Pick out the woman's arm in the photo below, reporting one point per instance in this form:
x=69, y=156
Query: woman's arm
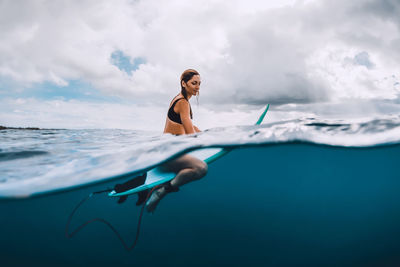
x=183, y=109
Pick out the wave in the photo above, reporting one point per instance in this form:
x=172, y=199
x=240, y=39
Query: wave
x=20, y=155
x=45, y=160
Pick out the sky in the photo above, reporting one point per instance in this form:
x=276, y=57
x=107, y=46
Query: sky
x=116, y=64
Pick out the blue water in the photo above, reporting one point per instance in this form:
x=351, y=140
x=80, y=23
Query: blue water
x=298, y=193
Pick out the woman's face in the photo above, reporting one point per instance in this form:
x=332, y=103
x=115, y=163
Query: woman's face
x=193, y=85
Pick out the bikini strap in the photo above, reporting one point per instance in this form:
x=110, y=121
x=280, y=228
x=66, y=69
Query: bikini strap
x=176, y=100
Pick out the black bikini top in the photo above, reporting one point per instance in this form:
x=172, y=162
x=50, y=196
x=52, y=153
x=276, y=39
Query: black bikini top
x=173, y=116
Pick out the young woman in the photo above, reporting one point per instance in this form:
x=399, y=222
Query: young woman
x=187, y=168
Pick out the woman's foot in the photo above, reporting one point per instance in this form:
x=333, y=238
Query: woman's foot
x=155, y=198
x=157, y=195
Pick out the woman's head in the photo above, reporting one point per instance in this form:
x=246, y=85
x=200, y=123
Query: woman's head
x=190, y=82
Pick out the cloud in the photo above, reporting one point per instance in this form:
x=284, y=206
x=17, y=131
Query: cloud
x=363, y=59
x=248, y=52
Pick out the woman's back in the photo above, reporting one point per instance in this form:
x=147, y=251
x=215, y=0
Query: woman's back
x=173, y=125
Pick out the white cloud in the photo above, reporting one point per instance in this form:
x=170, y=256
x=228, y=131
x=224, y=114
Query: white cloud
x=347, y=80
x=248, y=52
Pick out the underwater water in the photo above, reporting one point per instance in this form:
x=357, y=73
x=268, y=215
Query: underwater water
x=303, y=193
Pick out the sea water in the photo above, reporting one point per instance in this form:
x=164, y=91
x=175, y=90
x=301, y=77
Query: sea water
x=303, y=192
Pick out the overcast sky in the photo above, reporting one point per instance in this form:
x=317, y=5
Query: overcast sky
x=116, y=64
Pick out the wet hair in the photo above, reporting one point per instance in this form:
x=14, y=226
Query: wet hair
x=186, y=76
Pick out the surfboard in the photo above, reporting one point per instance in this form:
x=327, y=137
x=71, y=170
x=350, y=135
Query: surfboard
x=157, y=176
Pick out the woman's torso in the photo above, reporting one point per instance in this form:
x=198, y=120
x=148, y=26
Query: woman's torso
x=173, y=127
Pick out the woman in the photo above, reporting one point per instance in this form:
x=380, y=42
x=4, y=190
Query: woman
x=187, y=168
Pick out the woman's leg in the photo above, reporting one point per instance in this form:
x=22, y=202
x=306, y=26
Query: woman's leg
x=187, y=169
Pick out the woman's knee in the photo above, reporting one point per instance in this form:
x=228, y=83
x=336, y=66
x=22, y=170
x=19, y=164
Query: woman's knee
x=201, y=169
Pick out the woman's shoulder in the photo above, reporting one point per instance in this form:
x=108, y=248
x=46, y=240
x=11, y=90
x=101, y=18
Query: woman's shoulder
x=182, y=102
x=177, y=100
x=182, y=105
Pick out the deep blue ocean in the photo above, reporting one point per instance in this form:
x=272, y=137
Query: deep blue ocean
x=293, y=193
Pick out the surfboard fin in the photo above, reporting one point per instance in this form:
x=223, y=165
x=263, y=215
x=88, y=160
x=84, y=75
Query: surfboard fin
x=135, y=182
x=122, y=199
x=142, y=196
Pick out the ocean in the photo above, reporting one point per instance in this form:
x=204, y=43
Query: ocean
x=303, y=192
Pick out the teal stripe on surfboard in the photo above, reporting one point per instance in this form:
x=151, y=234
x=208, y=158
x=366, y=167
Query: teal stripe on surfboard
x=156, y=176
